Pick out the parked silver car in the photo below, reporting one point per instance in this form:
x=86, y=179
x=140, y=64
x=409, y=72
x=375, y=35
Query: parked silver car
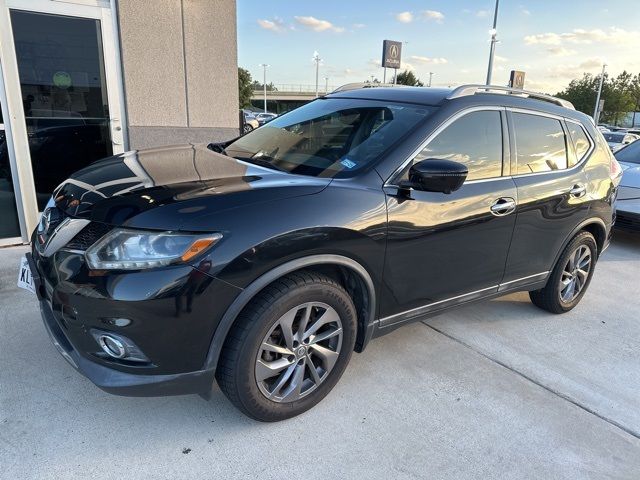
x=628, y=202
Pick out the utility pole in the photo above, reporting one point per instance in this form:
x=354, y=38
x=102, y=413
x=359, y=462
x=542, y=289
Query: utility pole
x=430, y=77
x=596, y=110
x=317, y=59
x=326, y=84
x=492, y=50
x=264, y=83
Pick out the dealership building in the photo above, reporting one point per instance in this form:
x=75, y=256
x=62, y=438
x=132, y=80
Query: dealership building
x=85, y=79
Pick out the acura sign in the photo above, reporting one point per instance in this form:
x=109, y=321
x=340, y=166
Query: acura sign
x=391, y=54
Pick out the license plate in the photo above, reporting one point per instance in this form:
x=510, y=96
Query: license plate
x=25, y=279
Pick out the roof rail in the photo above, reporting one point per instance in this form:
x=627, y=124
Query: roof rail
x=465, y=90
x=359, y=85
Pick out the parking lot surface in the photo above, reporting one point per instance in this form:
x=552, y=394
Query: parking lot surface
x=497, y=389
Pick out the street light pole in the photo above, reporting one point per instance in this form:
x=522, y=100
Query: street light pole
x=317, y=59
x=492, y=50
x=596, y=110
x=264, y=83
x=430, y=77
x=326, y=84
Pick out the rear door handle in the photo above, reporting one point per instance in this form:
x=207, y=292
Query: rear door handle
x=577, y=190
x=503, y=206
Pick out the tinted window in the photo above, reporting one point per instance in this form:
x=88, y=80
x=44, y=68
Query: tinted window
x=474, y=140
x=329, y=137
x=581, y=142
x=540, y=144
x=629, y=154
x=614, y=137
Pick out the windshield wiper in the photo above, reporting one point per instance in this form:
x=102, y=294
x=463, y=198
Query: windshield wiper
x=263, y=161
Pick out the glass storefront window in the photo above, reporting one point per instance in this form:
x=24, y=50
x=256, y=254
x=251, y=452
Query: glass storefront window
x=64, y=94
x=9, y=226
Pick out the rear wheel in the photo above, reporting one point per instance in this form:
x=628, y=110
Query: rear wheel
x=289, y=347
x=570, y=277
x=246, y=128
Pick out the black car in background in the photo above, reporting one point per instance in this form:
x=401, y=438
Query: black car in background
x=264, y=262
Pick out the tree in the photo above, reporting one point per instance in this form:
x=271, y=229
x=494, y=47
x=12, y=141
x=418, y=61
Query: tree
x=245, y=89
x=256, y=85
x=620, y=95
x=408, y=78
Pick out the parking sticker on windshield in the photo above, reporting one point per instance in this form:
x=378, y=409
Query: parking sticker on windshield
x=348, y=163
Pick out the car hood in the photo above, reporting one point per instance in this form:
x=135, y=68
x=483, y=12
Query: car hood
x=165, y=188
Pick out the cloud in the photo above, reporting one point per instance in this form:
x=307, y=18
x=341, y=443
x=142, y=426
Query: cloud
x=404, y=17
x=428, y=60
x=573, y=71
x=358, y=25
x=374, y=63
x=558, y=51
x=524, y=10
x=614, y=35
x=277, y=25
x=318, y=25
x=482, y=13
x=434, y=15
x=499, y=59
x=407, y=66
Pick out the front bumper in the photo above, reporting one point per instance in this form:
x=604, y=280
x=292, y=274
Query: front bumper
x=121, y=383
x=73, y=304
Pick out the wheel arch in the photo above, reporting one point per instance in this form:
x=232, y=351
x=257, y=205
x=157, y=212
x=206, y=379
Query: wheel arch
x=345, y=270
x=593, y=225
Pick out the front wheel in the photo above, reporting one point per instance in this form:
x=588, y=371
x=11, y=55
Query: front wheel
x=246, y=128
x=289, y=347
x=570, y=277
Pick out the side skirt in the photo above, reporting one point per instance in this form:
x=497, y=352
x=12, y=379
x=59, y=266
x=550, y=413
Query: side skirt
x=390, y=323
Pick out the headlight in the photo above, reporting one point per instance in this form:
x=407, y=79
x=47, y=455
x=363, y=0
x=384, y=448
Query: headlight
x=124, y=249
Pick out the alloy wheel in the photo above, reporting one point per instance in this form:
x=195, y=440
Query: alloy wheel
x=575, y=274
x=299, y=352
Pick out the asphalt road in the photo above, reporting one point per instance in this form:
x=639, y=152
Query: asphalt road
x=498, y=389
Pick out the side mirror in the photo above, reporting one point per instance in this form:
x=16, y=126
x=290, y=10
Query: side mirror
x=437, y=175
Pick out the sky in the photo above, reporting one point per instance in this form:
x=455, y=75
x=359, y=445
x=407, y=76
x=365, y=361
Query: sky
x=553, y=41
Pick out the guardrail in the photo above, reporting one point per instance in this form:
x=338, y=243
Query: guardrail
x=296, y=88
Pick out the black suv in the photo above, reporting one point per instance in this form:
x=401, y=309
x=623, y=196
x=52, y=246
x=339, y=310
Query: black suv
x=264, y=262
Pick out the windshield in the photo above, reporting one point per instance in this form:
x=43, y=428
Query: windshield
x=629, y=154
x=614, y=137
x=329, y=137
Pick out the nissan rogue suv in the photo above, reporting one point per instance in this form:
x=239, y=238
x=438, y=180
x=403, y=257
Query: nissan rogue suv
x=265, y=261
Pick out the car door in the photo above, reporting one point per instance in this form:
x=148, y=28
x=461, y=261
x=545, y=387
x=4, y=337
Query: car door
x=553, y=196
x=448, y=248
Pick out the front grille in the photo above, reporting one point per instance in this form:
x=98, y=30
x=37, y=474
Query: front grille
x=627, y=222
x=88, y=236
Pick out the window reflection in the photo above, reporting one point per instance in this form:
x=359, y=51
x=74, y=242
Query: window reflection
x=540, y=143
x=474, y=140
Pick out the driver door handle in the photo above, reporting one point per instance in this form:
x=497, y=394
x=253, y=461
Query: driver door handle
x=503, y=206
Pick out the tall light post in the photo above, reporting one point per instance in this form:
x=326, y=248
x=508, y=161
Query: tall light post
x=492, y=50
x=326, y=84
x=264, y=83
x=316, y=58
x=596, y=110
x=430, y=77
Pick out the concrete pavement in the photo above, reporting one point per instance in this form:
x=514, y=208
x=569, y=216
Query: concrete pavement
x=497, y=390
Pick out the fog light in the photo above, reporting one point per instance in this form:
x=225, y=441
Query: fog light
x=112, y=346
x=118, y=346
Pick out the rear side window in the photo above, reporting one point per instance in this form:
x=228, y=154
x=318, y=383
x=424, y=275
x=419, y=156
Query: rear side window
x=581, y=142
x=474, y=140
x=540, y=144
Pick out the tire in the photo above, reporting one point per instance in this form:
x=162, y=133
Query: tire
x=556, y=297
x=257, y=343
x=246, y=128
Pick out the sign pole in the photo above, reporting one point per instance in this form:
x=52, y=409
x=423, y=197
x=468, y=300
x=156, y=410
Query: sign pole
x=384, y=75
x=395, y=76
